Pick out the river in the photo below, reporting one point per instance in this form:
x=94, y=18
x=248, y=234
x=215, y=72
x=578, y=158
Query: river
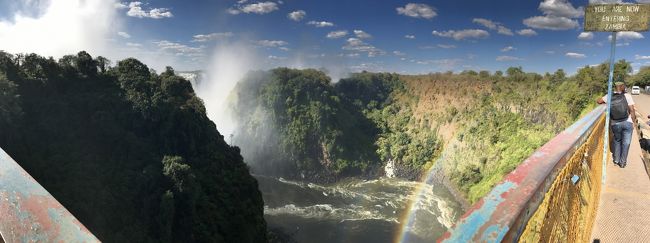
x=360, y=211
x=372, y=211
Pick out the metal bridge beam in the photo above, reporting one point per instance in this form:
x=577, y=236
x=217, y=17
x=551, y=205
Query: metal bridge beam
x=28, y=213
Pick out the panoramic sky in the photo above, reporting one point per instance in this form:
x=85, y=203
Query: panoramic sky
x=338, y=35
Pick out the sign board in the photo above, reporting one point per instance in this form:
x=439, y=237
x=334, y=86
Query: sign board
x=617, y=17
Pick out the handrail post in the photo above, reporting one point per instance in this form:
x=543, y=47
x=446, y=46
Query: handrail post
x=609, y=106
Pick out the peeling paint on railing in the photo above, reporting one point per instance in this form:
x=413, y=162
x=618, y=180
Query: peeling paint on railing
x=505, y=211
x=28, y=213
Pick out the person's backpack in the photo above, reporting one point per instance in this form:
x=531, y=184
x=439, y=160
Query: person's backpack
x=619, y=110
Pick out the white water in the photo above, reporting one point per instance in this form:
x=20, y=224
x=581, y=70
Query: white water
x=355, y=210
x=351, y=211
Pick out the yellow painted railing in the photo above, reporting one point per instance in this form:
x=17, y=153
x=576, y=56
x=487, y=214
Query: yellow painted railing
x=569, y=207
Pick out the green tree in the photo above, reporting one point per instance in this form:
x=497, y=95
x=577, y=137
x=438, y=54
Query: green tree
x=102, y=63
x=642, y=78
x=498, y=73
x=10, y=108
x=484, y=74
x=85, y=64
x=321, y=134
x=558, y=77
x=622, y=70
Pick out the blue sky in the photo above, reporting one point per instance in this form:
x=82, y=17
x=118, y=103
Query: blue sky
x=395, y=36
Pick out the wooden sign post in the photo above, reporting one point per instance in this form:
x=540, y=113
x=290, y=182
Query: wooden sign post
x=615, y=18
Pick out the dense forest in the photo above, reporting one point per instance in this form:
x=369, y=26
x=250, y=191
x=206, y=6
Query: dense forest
x=294, y=116
x=479, y=125
x=129, y=152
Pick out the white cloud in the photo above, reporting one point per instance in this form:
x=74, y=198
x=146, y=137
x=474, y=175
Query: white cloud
x=608, y=1
x=159, y=13
x=627, y=35
x=575, y=55
x=560, y=8
x=180, y=49
x=493, y=26
x=276, y=58
x=639, y=57
x=371, y=67
x=409, y=36
x=61, y=27
x=441, y=64
x=135, y=10
x=504, y=31
x=443, y=46
x=271, y=43
x=297, y=15
x=550, y=52
x=417, y=10
x=211, y=36
x=527, y=32
x=485, y=22
x=133, y=44
x=124, y=34
x=586, y=36
x=558, y=15
x=359, y=46
x=508, y=48
x=320, y=24
x=260, y=8
x=337, y=34
x=361, y=34
x=463, y=34
x=256, y=8
x=399, y=53
x=508, y=58
x=551, y=23
x=120, y=5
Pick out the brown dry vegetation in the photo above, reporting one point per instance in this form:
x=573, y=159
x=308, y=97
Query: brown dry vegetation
x=439, y=98
x=479, y=125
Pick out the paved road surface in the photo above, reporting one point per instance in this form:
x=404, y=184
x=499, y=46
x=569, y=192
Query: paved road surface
x=624, y=210
x=642, y=104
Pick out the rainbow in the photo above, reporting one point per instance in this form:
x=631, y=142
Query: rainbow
x=408, y=217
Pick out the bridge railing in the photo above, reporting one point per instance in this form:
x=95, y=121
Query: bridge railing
x=552, y=196
x=643, y=130
x=28, y=213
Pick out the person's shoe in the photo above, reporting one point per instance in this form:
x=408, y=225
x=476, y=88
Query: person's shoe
x=616, y=163
x=622, y=165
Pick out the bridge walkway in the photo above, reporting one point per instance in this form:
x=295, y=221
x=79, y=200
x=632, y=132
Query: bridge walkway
x=624, y=209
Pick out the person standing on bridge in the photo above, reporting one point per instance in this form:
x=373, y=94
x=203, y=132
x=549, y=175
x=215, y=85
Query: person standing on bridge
x=623, y=117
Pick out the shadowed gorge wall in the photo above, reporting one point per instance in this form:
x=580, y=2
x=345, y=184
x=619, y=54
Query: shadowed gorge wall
x=128, y=151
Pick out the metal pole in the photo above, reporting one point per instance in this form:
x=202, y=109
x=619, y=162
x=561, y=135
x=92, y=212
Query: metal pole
x=609, y=101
